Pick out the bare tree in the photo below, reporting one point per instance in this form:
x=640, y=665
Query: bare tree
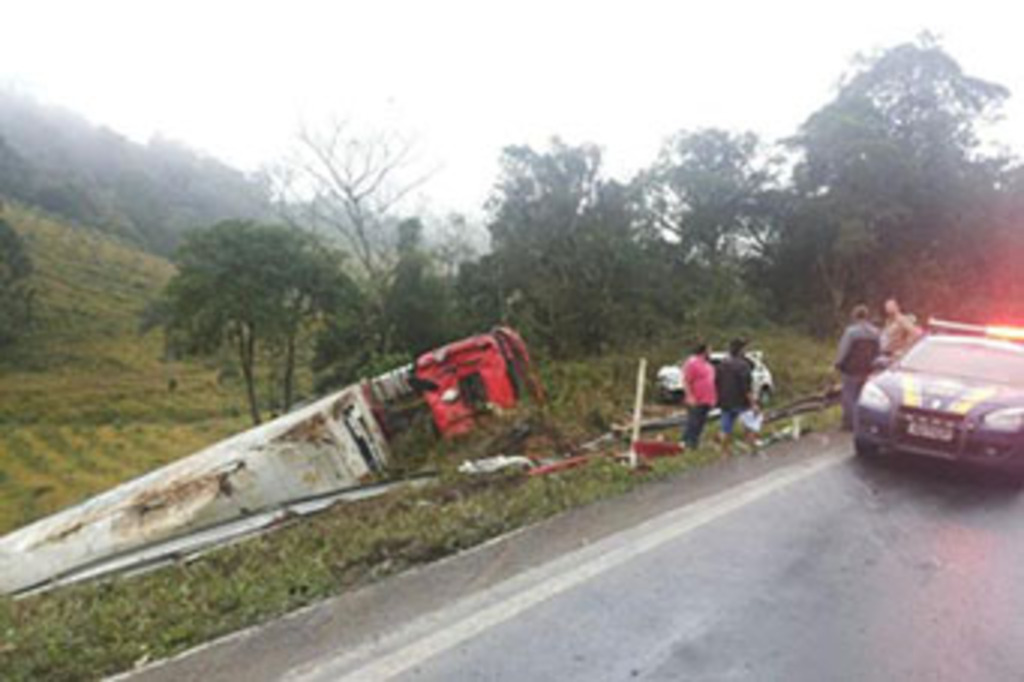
x=348, y=184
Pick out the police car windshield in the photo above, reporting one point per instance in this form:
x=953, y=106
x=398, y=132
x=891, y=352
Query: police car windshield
x=967, y=359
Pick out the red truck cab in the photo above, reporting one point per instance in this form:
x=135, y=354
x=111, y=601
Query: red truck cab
x=472, y=376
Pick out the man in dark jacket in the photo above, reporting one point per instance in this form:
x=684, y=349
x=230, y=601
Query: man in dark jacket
x=858, y=350
x=734, y=382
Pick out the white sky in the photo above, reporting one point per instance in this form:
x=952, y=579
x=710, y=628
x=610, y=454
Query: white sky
x=236, y=78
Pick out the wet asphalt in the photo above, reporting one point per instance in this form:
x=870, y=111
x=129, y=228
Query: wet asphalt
x=883, y=570
x=904, y=571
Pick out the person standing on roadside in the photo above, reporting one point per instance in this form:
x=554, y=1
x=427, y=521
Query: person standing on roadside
x=735, y=386
x=900, y=331
x=701, y=395
x=858, y=350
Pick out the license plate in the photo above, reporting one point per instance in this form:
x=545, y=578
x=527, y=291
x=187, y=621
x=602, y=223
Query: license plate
x=931, y=431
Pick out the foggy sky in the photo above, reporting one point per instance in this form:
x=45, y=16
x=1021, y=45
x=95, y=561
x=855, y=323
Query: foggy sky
x=237, y=78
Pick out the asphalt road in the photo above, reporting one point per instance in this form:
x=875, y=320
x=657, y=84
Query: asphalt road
x=818, y=567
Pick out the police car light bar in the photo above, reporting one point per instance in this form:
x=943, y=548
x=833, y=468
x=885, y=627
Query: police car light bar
x=993, y=331
x=1008, y=333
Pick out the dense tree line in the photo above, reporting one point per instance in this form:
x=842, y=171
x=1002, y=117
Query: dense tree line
x=888, y=189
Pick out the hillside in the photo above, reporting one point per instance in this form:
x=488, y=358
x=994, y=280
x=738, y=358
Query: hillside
x=90, y=175
x=85, y=401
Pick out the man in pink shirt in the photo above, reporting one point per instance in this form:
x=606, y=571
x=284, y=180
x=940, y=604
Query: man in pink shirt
x=701, y=395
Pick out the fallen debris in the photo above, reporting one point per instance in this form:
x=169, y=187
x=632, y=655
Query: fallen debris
x=651, y=449
x=491, y=465
x=556, y=466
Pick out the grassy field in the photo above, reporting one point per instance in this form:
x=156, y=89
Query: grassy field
x=85, y=400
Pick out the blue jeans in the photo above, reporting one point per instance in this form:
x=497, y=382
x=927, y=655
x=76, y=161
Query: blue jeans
x=696, y=418
x=852, y=386
x=729, y=418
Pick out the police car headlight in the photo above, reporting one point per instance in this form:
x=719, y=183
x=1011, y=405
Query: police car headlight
x=874, y=398
x=1009, y=419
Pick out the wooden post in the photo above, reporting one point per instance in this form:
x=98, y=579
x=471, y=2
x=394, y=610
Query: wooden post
x=638, y=408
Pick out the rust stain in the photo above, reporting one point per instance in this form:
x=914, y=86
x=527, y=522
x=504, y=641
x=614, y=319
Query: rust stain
x=340, y=405
x=174, y=505
x=62, y=533
x=313, y=430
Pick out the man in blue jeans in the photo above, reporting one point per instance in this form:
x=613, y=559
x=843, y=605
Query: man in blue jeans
x=734, y=383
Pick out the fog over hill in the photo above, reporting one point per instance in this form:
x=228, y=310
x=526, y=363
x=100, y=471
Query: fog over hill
x=147, y=194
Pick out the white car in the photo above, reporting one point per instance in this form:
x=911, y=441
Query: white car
x=670, y=378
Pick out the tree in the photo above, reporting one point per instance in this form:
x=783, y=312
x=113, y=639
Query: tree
x=418, y=314
x=710, y=200
x=455, y=242
x=349, y=185
x=891, y=191
x=16, y=292
x=250, y=286
x=567, y=264
x=707, y=192
x=419, y=302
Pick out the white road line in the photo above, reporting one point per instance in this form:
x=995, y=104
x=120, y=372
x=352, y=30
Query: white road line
x=436, y=633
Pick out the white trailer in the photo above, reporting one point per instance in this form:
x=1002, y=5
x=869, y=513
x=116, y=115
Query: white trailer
x=300, y=461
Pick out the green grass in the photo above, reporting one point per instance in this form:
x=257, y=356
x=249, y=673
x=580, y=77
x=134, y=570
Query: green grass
x=84, y=399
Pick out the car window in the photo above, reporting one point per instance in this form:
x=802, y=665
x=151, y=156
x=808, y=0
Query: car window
x=968, y=360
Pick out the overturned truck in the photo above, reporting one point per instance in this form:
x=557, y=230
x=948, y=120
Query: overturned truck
x=332, y=450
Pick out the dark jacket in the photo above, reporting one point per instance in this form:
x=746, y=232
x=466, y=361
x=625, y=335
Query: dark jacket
x=858, y=350
x=733, y=379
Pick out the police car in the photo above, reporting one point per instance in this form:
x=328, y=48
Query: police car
x=670, y=378
x=958, y=394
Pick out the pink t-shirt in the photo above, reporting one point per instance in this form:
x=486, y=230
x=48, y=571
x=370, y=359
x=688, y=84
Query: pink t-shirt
x=699, y=375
